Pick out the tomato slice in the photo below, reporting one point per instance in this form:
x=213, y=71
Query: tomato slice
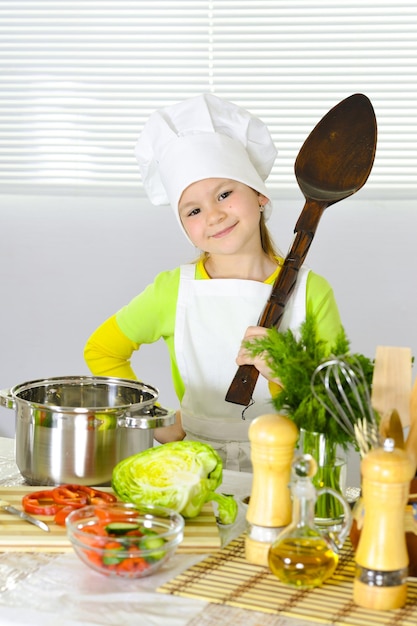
x=131, y=565
x=40, y=503
x=96, y=529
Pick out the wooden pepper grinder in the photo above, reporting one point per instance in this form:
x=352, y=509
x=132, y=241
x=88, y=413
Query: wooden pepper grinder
x=381, y=556
x=272, y=438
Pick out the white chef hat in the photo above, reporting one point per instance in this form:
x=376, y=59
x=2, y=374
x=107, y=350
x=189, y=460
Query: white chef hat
x=202, y=137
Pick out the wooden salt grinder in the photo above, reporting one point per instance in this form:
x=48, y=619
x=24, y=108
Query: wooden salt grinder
x=381, y=556
x=272, y=438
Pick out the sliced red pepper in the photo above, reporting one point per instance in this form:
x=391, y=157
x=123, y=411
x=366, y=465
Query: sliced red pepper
x=61, y=500
x=114, y=514
x=40, y=503
x=64, y=511
x=80, y=495
x=101, y=497
x=62, y=514
x=74, y=495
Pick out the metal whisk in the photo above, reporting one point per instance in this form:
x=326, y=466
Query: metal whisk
x=337, y=375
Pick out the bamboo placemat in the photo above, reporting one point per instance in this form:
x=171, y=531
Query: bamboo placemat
x=227, y=578
x=201, y=534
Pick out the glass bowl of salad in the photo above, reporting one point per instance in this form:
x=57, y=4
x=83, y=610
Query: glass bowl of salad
x=125, y=540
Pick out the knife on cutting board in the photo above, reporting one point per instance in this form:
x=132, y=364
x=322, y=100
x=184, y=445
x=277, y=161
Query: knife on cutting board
x=5, y=506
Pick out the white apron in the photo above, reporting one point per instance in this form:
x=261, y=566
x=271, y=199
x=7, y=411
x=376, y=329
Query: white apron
x=211, y=319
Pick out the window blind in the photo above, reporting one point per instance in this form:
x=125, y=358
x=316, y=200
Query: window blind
x=78, y=79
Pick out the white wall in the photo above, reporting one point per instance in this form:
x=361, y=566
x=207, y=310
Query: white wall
x=67, y=263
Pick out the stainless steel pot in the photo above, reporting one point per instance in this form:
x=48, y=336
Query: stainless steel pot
x=75, y=429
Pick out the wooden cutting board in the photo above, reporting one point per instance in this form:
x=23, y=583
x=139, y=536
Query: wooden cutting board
x=201, y=534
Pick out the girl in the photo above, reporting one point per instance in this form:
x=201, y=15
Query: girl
x=208, y=159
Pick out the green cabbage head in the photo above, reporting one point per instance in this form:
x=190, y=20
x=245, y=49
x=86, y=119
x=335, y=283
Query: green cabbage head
x=180, y=475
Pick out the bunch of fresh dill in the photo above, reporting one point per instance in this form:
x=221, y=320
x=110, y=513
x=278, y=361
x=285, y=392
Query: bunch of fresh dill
x=293, y=361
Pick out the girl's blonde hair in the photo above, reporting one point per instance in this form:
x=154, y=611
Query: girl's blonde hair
x=268, y=245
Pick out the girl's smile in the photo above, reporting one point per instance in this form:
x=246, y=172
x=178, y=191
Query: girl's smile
x=225, y=232
x=221, y=216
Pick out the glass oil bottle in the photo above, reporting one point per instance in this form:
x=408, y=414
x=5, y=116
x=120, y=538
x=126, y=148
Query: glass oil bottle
x=302, y=555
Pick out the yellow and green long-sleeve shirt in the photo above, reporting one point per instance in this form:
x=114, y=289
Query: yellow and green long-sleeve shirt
x=150, y=316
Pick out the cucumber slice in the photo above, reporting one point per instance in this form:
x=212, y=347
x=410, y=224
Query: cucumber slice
x=121, y=528
x=112, y=560
x=151, y=543
x=156, y=544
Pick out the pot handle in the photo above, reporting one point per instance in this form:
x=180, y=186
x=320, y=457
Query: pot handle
x=153, y=416
x=6, y=399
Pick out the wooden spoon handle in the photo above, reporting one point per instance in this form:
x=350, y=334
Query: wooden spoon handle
x=244, y=381
x=333, y=163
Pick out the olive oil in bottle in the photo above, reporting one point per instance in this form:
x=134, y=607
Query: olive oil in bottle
x=302, y=556
x=302, y=561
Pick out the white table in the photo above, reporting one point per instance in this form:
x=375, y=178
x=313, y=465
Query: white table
x=51, y=590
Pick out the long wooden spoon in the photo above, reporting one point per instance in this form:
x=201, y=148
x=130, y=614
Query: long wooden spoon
x=333, y=163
